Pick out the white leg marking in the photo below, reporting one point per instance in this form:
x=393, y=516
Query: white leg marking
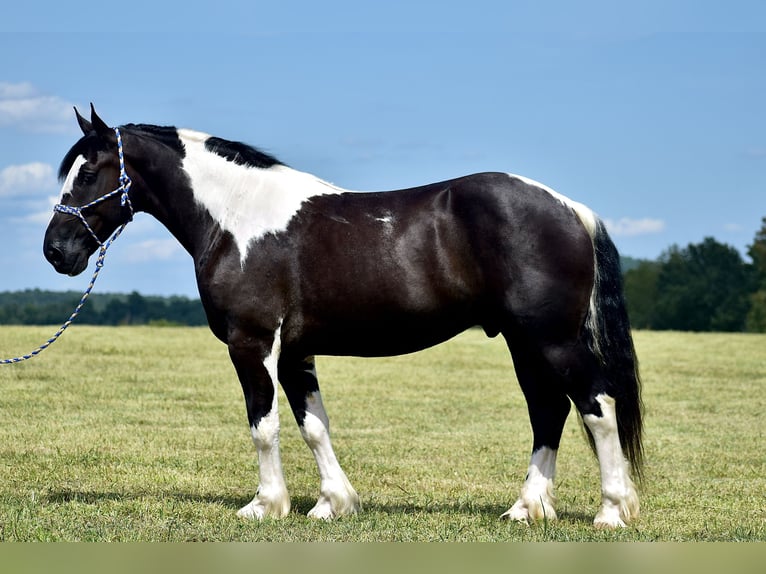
x=336, y=495
x=537, y=501
x=619, y=499
x=272, y=498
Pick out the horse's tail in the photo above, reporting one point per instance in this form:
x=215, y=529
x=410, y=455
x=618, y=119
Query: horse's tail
x=609, y=337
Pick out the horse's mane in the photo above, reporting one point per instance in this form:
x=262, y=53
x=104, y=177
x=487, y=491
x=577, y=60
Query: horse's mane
x=237, y=152
x=240, y=153
x=167, y=135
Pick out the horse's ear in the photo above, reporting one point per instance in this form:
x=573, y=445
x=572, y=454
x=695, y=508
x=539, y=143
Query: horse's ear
x=85, y=125
x=102, y=130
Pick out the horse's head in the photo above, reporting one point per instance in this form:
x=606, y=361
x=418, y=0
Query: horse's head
x=94, y=200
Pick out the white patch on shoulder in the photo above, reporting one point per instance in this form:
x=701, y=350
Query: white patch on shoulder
x=584, y=213
x=248, y=202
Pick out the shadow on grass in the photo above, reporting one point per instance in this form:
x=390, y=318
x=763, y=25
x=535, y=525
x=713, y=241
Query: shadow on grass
x=96, y=497
x=300, y=504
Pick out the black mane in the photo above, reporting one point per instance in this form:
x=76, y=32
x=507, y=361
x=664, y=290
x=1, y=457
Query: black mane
x=167, y=135
x=241, y=154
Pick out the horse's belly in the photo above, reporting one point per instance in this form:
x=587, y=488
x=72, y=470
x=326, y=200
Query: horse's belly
x=382, y=338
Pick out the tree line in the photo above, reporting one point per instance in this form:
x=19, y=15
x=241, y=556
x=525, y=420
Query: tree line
x=38, y=307
x=705, y=286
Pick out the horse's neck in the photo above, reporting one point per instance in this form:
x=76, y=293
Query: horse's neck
x=248, y=202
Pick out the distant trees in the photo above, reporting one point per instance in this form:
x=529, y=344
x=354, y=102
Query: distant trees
x=641, y=294
x=756, y=316
x=37, y=307
x=703, y=287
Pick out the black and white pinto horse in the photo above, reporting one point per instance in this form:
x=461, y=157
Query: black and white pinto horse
x=290, y=267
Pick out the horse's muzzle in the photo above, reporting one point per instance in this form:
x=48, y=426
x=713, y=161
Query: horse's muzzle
x=71, y=264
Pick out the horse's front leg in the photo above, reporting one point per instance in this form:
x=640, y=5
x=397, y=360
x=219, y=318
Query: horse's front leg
x=336, y=495
x=255, y=360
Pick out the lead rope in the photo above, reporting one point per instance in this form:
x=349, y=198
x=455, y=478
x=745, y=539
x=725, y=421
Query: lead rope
x=125, y=183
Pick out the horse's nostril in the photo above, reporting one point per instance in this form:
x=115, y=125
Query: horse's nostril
x=54, y=255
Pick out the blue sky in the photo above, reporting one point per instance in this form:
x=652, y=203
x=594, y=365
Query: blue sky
x=651, y=113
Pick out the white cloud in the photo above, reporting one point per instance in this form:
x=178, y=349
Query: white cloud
x=16, y=180
x=41, y=213
x=23, y=106
x=153, y=250
x=628, y=227
x=14, y=91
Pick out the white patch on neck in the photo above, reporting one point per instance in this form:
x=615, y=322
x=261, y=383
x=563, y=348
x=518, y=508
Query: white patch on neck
x=583, y=212
x=248, y=202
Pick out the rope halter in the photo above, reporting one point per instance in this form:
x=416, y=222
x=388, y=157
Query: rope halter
x=122, y=190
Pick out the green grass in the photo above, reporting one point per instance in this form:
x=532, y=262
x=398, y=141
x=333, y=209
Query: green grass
x=140, y=434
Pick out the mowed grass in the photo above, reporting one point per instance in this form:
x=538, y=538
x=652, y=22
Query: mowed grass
x=140, y=434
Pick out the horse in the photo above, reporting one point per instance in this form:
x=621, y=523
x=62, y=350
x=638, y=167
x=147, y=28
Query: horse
x=290, y=267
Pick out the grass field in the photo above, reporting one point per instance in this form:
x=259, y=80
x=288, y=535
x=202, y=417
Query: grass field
x=140, y=434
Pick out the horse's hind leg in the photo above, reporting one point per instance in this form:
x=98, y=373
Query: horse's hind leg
x=582, y=377
x=548, y=408
x=619, y=498
x=336, y=495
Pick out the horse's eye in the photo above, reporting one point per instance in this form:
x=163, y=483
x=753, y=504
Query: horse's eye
x=86, y=177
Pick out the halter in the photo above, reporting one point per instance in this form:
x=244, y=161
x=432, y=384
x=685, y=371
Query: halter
x=123, y=189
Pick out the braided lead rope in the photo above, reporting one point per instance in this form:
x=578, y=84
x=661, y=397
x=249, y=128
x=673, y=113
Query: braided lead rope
x=125, y=183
